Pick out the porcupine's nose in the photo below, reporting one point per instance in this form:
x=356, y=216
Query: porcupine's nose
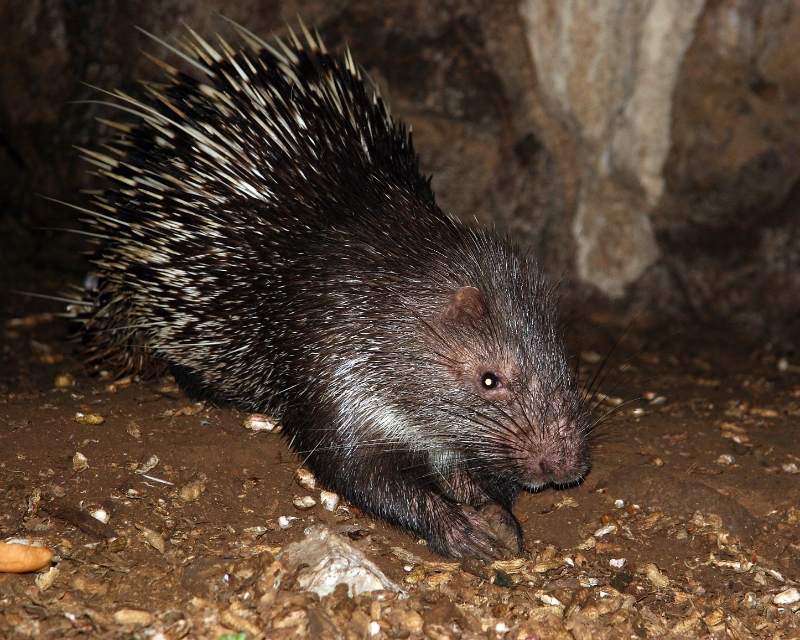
x=547, y=470
x=539, y=470
x=561, y=462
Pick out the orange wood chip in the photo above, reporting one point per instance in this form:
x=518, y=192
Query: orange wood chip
x=21, y=558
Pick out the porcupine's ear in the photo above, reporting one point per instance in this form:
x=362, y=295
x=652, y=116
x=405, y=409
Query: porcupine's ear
x=467, y=303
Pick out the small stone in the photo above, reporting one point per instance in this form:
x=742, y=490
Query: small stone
x=192, y=490
x=475, y=567
x=588, y=544
x=64, y=380
x=656, y=578
x=153, y=538
x=605, y=530
x=149, y=465
x=416, y=575
x=46, y=580
x=80, y=462
x=750, y=600
x=133, y=430
x=329, y=500
x=99, y=513
x=304, y=503
x=789, y=596
x=260, y=422
x=305, y=479
x=89, y=418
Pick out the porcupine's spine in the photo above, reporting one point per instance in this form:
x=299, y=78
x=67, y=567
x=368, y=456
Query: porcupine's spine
x=269, y=140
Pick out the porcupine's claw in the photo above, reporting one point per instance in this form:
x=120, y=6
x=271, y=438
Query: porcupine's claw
x=488, y=533
x=504, y=526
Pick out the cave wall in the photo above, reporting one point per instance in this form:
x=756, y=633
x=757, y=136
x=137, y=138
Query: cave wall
x=646, y=151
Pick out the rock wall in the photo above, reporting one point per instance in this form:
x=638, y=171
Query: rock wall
x=608, y=70
x=646, y=150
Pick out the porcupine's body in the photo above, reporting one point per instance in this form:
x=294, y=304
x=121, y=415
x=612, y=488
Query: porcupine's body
x=270, y=240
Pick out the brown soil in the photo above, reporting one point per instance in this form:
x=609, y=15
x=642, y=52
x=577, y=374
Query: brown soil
x=696, y=490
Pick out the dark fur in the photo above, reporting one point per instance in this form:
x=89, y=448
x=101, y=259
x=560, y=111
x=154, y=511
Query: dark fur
x=306, y=272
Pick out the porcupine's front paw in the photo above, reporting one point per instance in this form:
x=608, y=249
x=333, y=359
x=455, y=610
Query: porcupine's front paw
x=491, y=531
x=504, y=525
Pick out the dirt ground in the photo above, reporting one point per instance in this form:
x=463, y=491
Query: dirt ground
x=687, y=526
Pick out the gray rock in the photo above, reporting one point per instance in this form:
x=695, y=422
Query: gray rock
x=330, y=561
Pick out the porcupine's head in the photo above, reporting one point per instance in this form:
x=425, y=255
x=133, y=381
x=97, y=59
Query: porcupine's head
x=512, y=394
x=505, y=402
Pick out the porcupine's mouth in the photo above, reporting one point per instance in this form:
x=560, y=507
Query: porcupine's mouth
x=559, y=475
x=557, y=459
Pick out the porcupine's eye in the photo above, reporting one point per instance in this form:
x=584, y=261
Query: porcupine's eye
x=490, y=381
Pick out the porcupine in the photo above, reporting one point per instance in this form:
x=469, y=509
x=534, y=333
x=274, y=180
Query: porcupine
x=269, y=239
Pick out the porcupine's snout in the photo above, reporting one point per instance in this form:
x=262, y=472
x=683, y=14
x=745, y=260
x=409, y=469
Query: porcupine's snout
x=555, y=448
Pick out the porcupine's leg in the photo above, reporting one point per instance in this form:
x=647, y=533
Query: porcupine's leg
x=494, y=497
x=401, y=488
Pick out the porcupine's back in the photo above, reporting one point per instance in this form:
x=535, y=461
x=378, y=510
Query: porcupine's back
x=276, y=174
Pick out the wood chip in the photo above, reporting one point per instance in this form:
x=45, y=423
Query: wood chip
x=22, y=558
x=89, y=418
x=134, y=617
x=406, y=556
x=656, y=578
x=153, y=538
x=79, y=518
